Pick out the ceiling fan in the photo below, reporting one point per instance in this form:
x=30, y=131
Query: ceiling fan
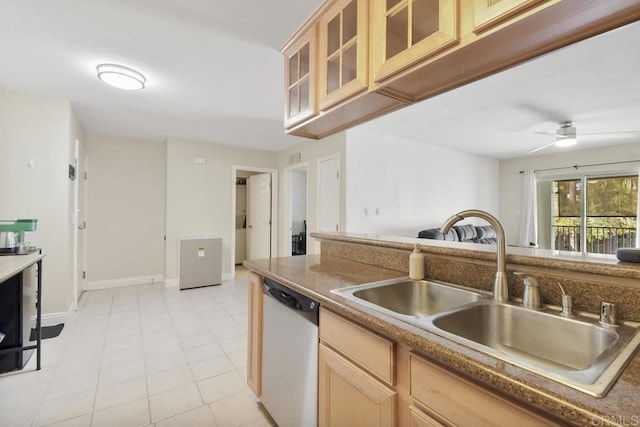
x=566, y=136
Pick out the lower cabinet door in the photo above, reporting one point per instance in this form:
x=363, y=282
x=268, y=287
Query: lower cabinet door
x=348, y=396
x=420, y=419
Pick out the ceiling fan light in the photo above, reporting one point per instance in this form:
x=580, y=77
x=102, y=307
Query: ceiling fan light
x=566, y=142
x=121, y=77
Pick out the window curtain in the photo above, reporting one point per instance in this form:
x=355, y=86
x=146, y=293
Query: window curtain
x=528, y=235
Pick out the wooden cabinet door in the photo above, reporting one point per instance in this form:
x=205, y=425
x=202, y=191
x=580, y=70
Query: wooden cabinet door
x=347, y=396
x=300, y=78
x=407, y=31
x=254, y=348
x=343, y=44
x=487, y=13
x=420, y=419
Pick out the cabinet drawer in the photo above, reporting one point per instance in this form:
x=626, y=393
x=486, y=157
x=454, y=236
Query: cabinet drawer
x=371, y=351
x=460, y=402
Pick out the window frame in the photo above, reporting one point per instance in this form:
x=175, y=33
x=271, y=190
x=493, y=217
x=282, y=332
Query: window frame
x=590, y=172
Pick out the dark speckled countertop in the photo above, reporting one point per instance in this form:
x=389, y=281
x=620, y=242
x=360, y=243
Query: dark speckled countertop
x=316, y=276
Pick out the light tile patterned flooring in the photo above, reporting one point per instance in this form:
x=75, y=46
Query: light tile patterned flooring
x=142, y=355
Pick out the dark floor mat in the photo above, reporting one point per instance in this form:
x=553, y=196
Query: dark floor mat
x=47, y=332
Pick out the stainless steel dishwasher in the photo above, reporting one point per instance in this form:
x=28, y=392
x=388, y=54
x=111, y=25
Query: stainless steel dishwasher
x=290, y=356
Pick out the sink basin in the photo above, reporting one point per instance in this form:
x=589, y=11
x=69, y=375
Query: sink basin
x=578, y=353
x=413, y=298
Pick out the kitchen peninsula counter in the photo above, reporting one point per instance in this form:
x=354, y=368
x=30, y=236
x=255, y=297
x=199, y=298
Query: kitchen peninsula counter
x=13, y=264
x=316, y=275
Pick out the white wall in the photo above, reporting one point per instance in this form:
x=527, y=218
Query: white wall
x=298, y=187
x=415, y=185
x=310, y=151
x=511, y=181
x=126, y=211
x=199, y=196
x=41, y=128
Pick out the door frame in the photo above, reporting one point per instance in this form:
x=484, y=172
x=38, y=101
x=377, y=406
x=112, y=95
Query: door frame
x=287, y=193
x=274, y=210
x=80, y=164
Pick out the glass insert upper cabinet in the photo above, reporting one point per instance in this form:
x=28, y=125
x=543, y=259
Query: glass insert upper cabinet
x=408, y=31
x=487, y=13
x=300, y=78
x=343, y=47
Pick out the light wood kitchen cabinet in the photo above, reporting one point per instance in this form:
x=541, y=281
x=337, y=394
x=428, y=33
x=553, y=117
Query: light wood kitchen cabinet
x=343, y=44
x=369, y=350
x=254, y=344
x=488, y=13
x=456, y=401
x=405, y=32
x=354, y=387
x=348, y=396
x=417, y=418
x=419, y=49
x=300, y=78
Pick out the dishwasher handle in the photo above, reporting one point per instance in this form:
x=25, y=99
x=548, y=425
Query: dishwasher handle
x=288, y=297
x=285, y=298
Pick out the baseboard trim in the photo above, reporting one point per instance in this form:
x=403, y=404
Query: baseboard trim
x=50, y=319
x=127, y=281
x=174, y=283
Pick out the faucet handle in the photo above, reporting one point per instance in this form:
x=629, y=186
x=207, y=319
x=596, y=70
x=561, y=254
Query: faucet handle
x=531, y=295
x=608, y=314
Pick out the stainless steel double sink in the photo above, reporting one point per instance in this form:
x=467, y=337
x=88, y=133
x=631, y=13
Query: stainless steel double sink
x=577, y=352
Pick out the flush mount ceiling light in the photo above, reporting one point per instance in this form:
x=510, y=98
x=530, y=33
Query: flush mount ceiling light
x=121, y=77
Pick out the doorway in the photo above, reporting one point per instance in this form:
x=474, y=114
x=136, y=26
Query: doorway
x=297, y=209
x=253, y=234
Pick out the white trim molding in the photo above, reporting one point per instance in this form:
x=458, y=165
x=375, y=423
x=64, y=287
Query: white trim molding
x=174, y=283
x=127, y=281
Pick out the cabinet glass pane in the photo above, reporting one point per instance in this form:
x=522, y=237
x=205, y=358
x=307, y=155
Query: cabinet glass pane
x=391, y=3
x=397, y=30
x=333, y=34
x=349, y=59
x=425, y=19
x=304, y=61
x=333, y=74
x=293, y=68
x=293, y=101
x=304, y=94
x=349, y=21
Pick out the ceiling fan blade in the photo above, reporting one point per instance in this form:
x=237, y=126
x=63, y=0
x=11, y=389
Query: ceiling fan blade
x=617, y=134
x=542, y=147
x=546, y=133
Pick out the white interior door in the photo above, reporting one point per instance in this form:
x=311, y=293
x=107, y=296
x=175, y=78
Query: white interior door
x=259, y=217
x=329, y=195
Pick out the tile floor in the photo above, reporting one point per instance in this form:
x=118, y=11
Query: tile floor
x=142, y=356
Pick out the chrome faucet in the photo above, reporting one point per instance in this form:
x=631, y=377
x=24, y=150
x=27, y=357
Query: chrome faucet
x=500, y=289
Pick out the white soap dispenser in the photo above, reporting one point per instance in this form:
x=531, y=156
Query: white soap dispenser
x=416, y=264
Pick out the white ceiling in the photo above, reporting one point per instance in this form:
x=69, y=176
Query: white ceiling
x=215, y=74
x=595, y=83
x=213, y=66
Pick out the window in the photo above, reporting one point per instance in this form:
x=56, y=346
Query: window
x=594, y=214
